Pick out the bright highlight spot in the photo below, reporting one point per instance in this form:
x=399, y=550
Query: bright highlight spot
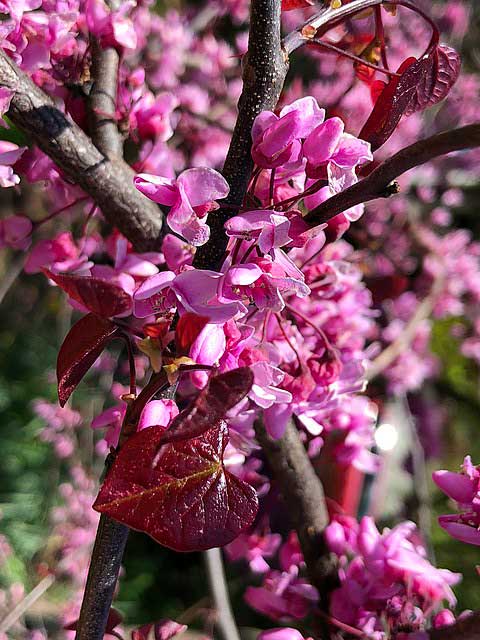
x=386, y=437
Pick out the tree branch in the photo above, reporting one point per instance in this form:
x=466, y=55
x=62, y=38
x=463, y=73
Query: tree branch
x=377, y=184
x=303, y=493
x=108, y=182
x=326, y=15
x=217, y=582
x=265, y=66
x=406, y=337
x=103, y=101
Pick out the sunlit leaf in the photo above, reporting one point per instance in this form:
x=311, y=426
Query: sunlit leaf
x=83, y=344
x=98, y=296
x=180, y=494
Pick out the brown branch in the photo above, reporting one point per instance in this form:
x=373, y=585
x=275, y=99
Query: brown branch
x=103, y=101
x=303, y=494
x=108, y=182
x=265, y=66
x=378, y=183
x=405, y=339
x=325, y=16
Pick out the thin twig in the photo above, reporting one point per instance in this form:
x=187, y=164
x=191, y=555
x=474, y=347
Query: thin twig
x=224, y=618
x=406, y=337
x=24, y=605
x=303, y=494
x=378, y=184
x=265, y=66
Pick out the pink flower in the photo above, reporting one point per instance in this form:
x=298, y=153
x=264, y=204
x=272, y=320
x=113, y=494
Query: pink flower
x=113, y=28
x=464, y=488
x=197, y=291
x=283, y=596
x=15, y=232
x=151, y=116
x=268, y=228
x=9, y=155
x=254, y=548
x=284, y=633
x=60, y=255
x=207, y=348
x=191, y=196
x=153, y=295
x=276, y=139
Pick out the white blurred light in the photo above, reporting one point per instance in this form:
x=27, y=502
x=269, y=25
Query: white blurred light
x=386, y=437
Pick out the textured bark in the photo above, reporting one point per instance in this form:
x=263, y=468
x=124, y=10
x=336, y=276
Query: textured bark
x=303, y=494
x=103, y=101
x=378, y=184
x=264, y=69
x=108, y=182
x=102, y=578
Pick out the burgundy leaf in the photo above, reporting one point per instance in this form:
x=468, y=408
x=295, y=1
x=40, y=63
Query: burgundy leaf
x=83, y=344
x=441, y=70
x=288, y=5
x=220, y=395
x=179, y=494
x=187, y=331
x=98, y=296
x=391, y=104
x=114, y=619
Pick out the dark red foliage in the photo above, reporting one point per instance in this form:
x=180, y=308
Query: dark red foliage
x=83, y=344
x=114, y=619
x=422, y=83
x=288, y=5
x=389, y=107
x=187, y=331
x=441, y=70
x=220, y=395
x=98, y=296
x=179, y=493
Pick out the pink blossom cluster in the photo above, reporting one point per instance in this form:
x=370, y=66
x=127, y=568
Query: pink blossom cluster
x=387, y=584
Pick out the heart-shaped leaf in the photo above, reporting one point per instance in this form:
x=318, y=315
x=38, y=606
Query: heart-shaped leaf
x=422, y=83
x=220, y=395
x=390, y=105
x=180, y=494
x=98, y=296
x=83, y=344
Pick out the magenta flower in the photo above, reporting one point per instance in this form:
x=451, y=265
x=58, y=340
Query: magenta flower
x=60, y=255
x=15, y=232
x=154, y=295
x=113, y=28
x=191, y=196
x=276, y=139
x=463, y=488
x=283, y=596
x=268, y=228
x=283, y=633
x=10, y=153
x=207, y=348
x=198, y=291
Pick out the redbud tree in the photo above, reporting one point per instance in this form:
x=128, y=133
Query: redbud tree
x=230, y=206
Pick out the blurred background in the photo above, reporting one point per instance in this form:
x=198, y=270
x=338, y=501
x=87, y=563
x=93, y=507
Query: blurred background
x=49, y=458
